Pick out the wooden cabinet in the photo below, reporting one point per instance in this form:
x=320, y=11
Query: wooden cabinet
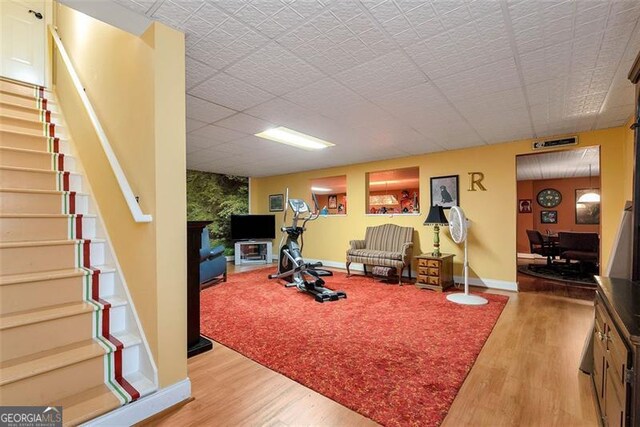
x=434, y=272
x=616, y=347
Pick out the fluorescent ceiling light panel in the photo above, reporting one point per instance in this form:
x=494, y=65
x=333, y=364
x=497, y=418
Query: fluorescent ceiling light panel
x=287, y=136
x=320, y=189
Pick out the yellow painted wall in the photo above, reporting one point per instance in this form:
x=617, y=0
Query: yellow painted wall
x=492, y=236
x=136, y=86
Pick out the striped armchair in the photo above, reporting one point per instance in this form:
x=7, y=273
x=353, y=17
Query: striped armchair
x=388, y=245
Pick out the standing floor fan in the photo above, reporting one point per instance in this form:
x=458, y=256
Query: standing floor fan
x=458, y=230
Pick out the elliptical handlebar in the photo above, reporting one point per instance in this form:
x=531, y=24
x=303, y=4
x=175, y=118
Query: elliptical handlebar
x=286, y=207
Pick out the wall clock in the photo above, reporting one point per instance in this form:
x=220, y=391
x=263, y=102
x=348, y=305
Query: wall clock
x=549, y=198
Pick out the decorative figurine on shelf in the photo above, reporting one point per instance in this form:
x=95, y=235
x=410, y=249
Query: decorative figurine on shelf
x=416, y=207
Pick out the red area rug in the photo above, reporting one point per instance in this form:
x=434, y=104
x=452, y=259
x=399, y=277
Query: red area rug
x=397, y=355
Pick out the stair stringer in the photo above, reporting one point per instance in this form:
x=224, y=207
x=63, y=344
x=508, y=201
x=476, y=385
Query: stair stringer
x=137, y=360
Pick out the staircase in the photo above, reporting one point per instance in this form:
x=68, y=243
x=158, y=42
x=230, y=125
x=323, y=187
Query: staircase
x=68, y=331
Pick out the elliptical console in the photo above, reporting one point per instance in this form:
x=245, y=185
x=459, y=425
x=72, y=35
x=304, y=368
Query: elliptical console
x=291, y=265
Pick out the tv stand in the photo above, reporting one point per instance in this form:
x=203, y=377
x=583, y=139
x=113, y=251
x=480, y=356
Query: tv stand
x=253, y=252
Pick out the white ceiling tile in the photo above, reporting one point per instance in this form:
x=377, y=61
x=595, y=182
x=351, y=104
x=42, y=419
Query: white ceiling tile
x=172, y=12
x=288, y=18
x=250, y=15
x=193, y=124
x=140, y=6
x=218, y=133
x=227, y=90
x=344, y=10
x=205, y=111
x=407, y=76
x=384, y=11
x=360, y=24
x=382, y=75
x=456, y=17
x=212, y=15
x=244, y=123
x=197, y=72
x=324, y=92
x=307, y=8
x=269, y=7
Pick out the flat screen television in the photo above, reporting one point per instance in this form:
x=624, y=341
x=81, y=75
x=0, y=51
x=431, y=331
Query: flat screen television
x=253, y=227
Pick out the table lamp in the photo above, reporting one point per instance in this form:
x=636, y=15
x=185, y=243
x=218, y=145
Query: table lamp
x=436, y=217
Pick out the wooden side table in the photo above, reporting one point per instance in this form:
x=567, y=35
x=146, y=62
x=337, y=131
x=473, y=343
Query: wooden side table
x=435, y=272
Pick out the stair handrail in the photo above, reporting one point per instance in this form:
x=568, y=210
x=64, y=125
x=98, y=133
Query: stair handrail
x=129, y=197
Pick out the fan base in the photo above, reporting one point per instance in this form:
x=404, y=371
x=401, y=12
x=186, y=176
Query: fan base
x=467, y=299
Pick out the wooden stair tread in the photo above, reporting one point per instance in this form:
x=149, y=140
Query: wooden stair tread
x=13, y=279
x=11, y=104
x=9, y=85
x=87, y=405
x=40, y=276
x=13, y=132
x=27, y=151
x=45, y=361
x=17, y=118
x=29, y=317
x=36, y=191
x=32, y=243
x=20, y=169
x=29, y=215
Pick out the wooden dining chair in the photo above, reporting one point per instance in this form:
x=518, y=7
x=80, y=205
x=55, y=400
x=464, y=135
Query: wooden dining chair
x=538, y=245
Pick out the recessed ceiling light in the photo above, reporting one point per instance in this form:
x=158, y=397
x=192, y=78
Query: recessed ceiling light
x=320, y=189
x=287, y=136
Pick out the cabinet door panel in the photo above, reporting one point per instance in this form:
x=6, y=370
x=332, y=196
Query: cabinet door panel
x=598, y=363
x=614, y=406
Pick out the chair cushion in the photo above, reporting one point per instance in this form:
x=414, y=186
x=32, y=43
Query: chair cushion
x=373, y=255
x=581, y=255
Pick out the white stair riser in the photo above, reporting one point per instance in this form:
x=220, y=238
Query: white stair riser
x=119, y=319
x=33, y=259
x=23, y=229
x=41, y=203
x=38, y=294
x=36, y=160
x=107, y=283
x=131, y=360
x=56, y=384
x=37, y=180
x=24, y=340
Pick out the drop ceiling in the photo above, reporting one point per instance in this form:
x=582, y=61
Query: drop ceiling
x=559, y=164
x=386, y=79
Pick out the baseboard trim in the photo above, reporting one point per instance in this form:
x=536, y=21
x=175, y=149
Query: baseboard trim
x=489, y=283
x=474, y=281
x=146, y=407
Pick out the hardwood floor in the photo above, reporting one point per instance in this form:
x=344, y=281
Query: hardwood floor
x=526, y=375
x=527, y=283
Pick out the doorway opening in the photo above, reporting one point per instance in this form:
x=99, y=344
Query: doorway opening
x=558, y=221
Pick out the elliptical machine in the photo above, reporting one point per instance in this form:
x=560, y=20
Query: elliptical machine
x=291, y=266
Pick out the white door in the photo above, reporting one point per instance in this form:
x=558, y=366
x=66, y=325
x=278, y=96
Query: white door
x=22, y=40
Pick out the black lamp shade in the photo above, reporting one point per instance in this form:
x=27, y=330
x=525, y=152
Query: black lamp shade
x=436, y=216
